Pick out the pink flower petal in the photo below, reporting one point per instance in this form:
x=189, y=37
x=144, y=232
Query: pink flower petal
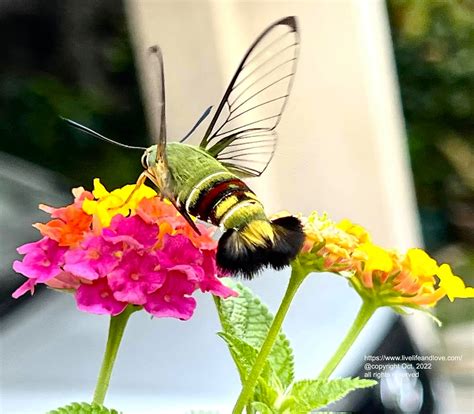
x=136, y=277
x=161, y=308
x=29, y=285
x=42, y=261
x=172, y=299
x=179, y=250
x=94, y=258
x=209, y=281
x=98, y=298
x=64, y=281
x=193, y=273
x=131, y=230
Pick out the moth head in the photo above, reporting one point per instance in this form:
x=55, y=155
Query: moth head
x=149, y=157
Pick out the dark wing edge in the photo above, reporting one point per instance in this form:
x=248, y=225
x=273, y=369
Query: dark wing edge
x=241, y=133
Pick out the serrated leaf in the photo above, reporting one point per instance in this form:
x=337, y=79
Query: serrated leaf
x=261, y=408
x=247, y=318
x=83, y=408
x=313, y=394
x=266, y=392
x=244, y=356
x=268, y=387
x=286, y=406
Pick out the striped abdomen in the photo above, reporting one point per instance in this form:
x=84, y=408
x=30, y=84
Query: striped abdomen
x=224, y=200
x=208, y=190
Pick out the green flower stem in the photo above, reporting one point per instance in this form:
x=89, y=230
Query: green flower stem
x=365, y=313
x=116, y=328
x=297, y=277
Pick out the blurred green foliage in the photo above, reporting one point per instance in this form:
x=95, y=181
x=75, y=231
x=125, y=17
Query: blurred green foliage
x=88, y=78
x=434, y=52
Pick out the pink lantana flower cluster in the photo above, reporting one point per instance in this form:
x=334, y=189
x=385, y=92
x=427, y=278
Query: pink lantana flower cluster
x=112, y=250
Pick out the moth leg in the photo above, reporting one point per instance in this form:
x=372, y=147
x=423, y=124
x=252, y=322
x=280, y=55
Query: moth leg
x=151, y=177
x=171, y=199
x=138, y=184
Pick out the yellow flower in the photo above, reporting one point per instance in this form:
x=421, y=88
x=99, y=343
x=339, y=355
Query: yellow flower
x=411, y=280
x=108, y=204
x=354, y=229
x=335, y=246
x=420, y=263
x=383, y=276
x=453, y=285
x=373, y=258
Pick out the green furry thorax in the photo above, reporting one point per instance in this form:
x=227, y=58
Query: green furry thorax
x=189, y=165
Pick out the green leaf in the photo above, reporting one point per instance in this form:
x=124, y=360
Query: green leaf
x=247, y=318
x=83, y=408
x=244, y=356
x=261, y=408
x=268, y=387
x=267, y=393
x=313, y=394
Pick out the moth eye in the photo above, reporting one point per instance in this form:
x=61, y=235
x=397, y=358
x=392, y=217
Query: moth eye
x=144, y=161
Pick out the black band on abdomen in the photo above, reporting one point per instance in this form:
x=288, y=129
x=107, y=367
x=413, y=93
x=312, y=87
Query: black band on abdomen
x=209, y=198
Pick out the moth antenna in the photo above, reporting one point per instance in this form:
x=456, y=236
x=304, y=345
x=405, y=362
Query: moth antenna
x=202, y=118
x=89, y=131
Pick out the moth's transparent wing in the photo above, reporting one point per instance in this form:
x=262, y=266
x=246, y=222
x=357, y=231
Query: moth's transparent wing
x=158, y=102
x=249, y=153
x=241, y=133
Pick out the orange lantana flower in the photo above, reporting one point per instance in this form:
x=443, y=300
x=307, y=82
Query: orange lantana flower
x=69, y=223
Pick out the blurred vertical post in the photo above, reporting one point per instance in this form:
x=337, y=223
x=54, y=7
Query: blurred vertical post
x=342, y=145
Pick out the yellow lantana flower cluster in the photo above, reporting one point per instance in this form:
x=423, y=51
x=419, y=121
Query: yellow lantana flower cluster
x=120, y=201
x=387, y=277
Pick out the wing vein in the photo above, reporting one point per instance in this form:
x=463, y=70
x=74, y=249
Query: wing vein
x=282, y=36
x=250, y=123
x=231, y=104
x=257, y=106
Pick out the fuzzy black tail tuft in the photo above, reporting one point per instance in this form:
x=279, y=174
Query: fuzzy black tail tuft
x=289, y=239
x=259, y=244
